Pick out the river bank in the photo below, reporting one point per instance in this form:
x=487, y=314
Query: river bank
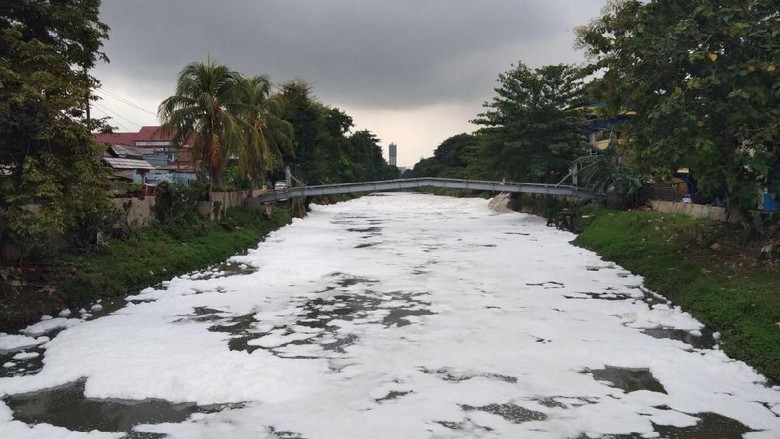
x=404, y=314
x=149, y=256
x=704, y=267
x=691, y=262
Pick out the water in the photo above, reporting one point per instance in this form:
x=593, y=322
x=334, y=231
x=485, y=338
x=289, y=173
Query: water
x=395, y=316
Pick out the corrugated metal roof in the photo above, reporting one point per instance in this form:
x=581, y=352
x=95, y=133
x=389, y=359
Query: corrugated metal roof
x=125, y=175
x=118, y=163
x=124, y=151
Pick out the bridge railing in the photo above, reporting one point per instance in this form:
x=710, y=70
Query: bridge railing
x=412, y=183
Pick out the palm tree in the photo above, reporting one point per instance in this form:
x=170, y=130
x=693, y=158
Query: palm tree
x=203, y=112
x=266, y=134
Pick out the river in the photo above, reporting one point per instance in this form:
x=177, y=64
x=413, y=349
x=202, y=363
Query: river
x=389, y=316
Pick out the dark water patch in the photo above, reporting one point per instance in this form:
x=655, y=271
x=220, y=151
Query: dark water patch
x=447, y=374
x=704, y=341
x=547, y=285
x=241, y=328
x=599, y=296
x=628, y=379
x=219, y=271
x=397, y=316
x=570, y=401
x=367, y=244
x=710, y=426
x=284, y=434
x=23, y=366
x=66, y=406
x=551, y=403
x=393, y=394
x=370, y=230
x=511, y=412
x=202, y=314
x=452, y=425
x=340, y=343
x=599, y=267
x=143, y=435
x=346, y=280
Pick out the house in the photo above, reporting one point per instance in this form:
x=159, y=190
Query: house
x=146, y=157
x=154, y=144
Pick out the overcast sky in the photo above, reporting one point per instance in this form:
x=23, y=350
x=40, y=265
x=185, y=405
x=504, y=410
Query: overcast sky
x=414, y=72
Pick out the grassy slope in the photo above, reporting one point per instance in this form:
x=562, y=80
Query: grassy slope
x=731, y=295
x=148, y=257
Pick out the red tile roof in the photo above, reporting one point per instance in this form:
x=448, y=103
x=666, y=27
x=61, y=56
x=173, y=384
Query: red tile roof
x=115, y=138
x=147, y=133
x=154, y=133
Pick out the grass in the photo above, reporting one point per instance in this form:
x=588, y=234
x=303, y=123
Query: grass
x=723, y=286
x=149, y=256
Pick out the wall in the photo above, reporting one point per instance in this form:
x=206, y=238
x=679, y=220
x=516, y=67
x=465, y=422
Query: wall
x=138, y=211
x=692, y=210
x=141, y=211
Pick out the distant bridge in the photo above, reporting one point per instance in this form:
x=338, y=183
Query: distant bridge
x=412, y=183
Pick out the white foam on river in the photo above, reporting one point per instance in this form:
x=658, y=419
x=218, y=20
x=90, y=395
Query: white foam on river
x=396, y=316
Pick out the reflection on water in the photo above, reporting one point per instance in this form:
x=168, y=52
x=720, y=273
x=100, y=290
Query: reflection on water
x=703, y=341
x=630, y=380
x=66, y=406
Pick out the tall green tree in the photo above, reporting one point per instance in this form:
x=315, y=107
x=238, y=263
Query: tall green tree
x=704, y=80
x=50, y=178
x=205, y=112
x=266, y=135
x=532, y=125
x=452, y=159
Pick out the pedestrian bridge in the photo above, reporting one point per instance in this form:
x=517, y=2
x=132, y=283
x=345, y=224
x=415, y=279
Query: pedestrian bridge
x=412, y=183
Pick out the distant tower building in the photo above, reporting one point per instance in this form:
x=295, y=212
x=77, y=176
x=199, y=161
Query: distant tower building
x=393, y=154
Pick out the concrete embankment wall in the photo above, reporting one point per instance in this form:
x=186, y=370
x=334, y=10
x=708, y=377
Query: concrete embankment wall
x=692, y=210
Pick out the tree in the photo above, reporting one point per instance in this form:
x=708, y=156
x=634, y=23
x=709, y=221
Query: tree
x=533, y=124
x=266, y=135
x=703, y=79
x=204, y=112
x=50, y=178
x=451, y=159
x=304, y=113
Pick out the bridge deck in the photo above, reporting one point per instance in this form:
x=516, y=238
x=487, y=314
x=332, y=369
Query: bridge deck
x=411, y=183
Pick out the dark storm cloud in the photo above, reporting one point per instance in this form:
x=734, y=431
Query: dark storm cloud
x=371, y=54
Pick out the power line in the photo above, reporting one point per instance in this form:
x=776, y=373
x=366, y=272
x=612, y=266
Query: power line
x=105, y=110
x=109, y=94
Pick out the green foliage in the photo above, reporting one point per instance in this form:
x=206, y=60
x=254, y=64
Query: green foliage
x=532, y=127
x=266, y=135
x=738, y=300
x=325, y=150
x=236, y=179
x=153, y=254
x=50, y=180
x=203, y=112
x=704, y=80
x=176, y=209
x=608, y=173
x=451, y=159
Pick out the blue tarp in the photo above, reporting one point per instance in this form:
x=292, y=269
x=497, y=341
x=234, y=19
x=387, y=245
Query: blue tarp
x=771, y=203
